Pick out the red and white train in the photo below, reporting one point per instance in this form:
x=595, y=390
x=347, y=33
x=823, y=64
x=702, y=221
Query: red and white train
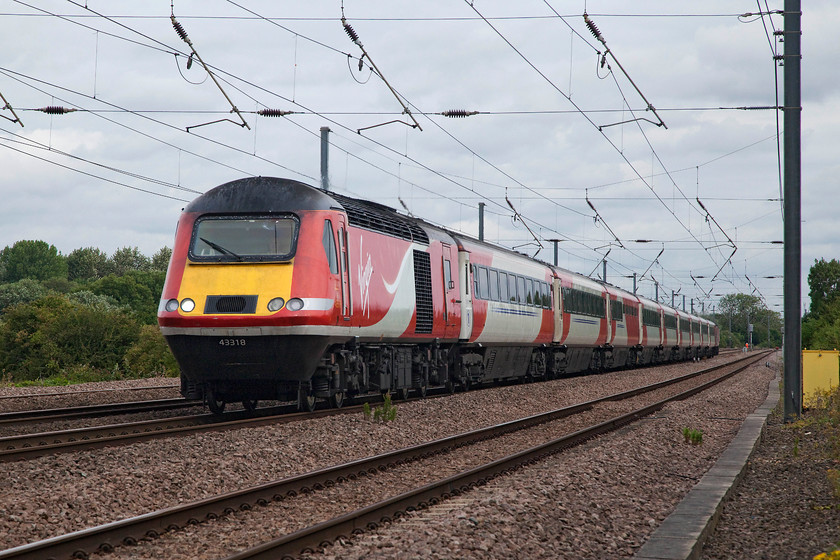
x=280, y=290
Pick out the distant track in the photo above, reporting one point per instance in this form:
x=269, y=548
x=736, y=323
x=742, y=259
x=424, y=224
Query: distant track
x=93, y=411
x=71, y=393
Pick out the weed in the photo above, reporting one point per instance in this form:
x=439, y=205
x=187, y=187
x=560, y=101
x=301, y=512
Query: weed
x=385, y=413
x=692, y=436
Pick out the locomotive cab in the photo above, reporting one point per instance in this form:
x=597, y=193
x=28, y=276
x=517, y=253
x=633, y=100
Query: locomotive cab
x=252, y=259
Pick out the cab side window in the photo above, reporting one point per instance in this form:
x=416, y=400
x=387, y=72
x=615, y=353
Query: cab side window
x=329, y=247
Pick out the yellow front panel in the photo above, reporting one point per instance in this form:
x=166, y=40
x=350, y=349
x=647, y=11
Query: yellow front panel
x=264, y=280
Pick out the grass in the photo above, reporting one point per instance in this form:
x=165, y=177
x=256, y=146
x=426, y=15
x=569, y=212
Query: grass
x=78, y=374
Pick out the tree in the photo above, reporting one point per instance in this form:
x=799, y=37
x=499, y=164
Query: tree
x=824, y=283
x=139, y=291
x=821, y=326
x=32, y=259
x=742, y=310
x=88, y=263
x=22, y=291
x=128, y=259
x=160, y=260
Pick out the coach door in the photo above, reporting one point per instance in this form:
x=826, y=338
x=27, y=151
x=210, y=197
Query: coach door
x=451, y=307
x=344, y=269
x=465, y=294
x=558, y=310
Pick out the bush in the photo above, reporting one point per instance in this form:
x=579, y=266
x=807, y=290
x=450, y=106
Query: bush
x=52, y=334
x=139, y=291
x=150, y=355
x=22, y=291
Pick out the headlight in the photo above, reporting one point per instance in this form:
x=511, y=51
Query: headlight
x=276, y=304
x=294, y=304
x=171, y=305
x=187, y=305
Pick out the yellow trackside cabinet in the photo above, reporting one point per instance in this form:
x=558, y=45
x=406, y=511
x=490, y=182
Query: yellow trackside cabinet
x=819, y=373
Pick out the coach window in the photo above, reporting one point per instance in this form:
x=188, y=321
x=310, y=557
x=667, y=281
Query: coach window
x=512, y=287
x=447, y=273
x=329, y=247
x=532, y=295
x=546, y=296
x=483, y=282
x=520, y=290
x=503, y=286
x=494, y=285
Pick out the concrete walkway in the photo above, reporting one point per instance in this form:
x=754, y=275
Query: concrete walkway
x=682, y=534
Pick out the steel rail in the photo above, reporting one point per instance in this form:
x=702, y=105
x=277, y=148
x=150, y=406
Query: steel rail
x=129, y=531
x=71, y=393
x=324, y=534
x=28, y=446
x=96, y=410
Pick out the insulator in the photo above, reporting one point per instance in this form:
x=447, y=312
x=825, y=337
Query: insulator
x=189, y=61
x=350, y=31
x=56, y=110
x=179, y=29
x=592, y=27
x=458, y=113
x=274, y=112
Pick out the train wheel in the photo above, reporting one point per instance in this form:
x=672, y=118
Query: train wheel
x=216, y=405
x=450, y=387
x=337, y=399
x=402, y=393
x=249, y=404
x=421, y=391
x=306, y=403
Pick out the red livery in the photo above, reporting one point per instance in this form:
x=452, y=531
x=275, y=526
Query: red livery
x=280, y=290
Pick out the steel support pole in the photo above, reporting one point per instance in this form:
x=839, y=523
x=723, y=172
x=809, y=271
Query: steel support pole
x=792, y=210
x=481, y=221
x=325, y=158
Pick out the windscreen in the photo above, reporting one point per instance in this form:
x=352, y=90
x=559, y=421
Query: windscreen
x=234, y=238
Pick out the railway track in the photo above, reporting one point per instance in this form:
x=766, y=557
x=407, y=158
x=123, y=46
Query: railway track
x=28, y=446
x=89, y=391
x=94, y=411
x=129, y=531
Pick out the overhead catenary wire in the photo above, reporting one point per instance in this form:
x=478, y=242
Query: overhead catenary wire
x=423, y=123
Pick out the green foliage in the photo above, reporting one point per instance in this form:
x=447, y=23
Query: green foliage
x=150, y=355
x=128, y=259
x=821, y=326
x=692, y=436
x=52, y=334
x=88, y=263
x=385, y=413
x=160, y=260
x=22, y=291
x=97, y=301
x=138, y=291
x=824, y=284
x=740, y=310
x=32, y=259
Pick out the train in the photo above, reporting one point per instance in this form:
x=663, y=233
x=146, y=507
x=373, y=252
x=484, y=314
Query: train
x=279, y=290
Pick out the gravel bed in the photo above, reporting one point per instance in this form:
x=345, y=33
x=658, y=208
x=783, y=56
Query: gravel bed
x=53, y=495
x=785, y=507
x=236, y=532
x=599, y=500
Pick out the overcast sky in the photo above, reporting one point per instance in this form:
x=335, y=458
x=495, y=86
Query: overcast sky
x=548, y=136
